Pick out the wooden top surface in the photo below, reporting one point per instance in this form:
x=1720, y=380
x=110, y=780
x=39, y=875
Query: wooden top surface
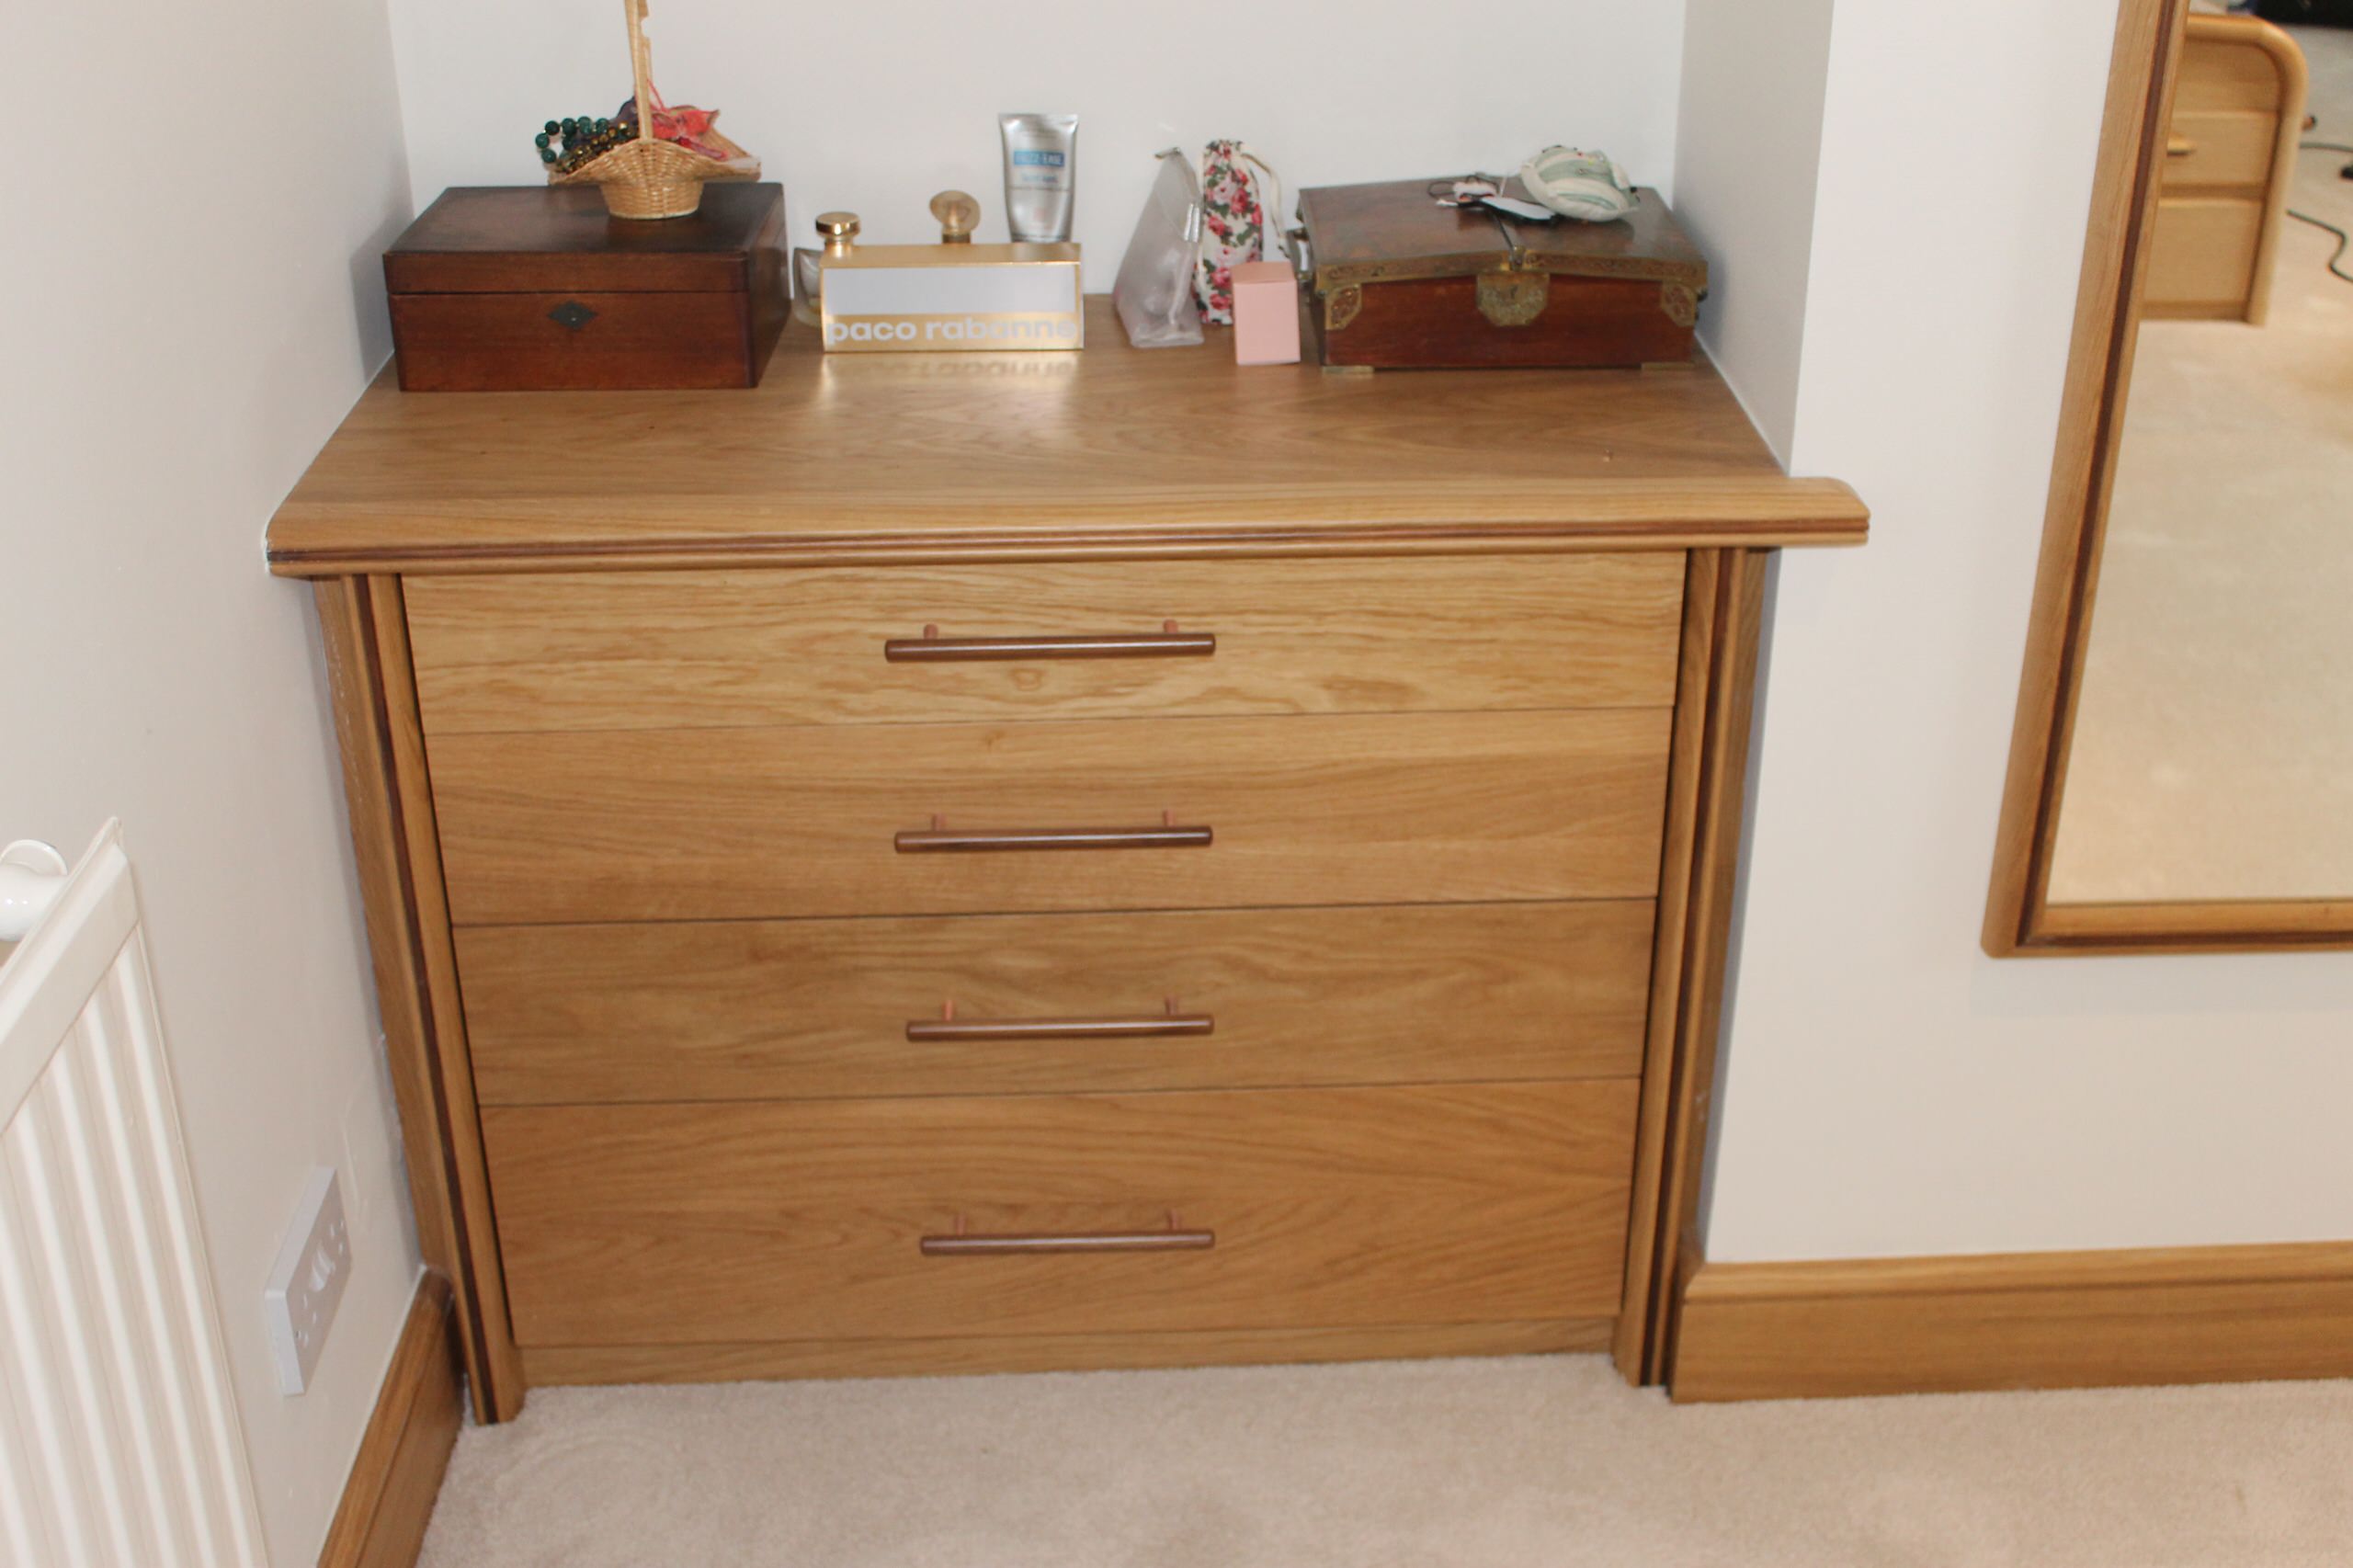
x=489, y=238
x=1360, y=232
x=1109, y=451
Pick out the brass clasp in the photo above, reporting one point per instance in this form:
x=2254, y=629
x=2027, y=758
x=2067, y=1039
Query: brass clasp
x=1514, y=297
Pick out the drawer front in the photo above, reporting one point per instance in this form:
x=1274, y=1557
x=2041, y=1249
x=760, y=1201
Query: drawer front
x=1042, y=1004
x=676, y=650
x=2203, y=258
x=711, y=1223
x=2225, y=75
x=2208, y=149
x=744, y=823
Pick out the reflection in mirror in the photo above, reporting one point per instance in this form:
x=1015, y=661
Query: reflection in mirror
x=2211, y=754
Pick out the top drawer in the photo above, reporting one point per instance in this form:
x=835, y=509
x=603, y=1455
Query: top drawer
x=684, y=650
x=2220, y=150
x=2226, y=66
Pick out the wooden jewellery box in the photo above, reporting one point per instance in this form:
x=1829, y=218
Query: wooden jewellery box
x=526, y=288
x=1400, y=282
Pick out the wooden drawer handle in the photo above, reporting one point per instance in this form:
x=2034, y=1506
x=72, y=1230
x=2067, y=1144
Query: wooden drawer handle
x=942, y=840
x=1139, y=1026
x=962, y=1245
x=2179, y=146
x=936, y=650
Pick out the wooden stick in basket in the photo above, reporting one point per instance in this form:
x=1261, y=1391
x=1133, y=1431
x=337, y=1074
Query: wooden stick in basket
x=641, y=68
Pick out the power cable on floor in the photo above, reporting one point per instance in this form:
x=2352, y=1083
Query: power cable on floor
x=2344, y=240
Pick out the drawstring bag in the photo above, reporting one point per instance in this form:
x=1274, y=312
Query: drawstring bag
x=1241, y=199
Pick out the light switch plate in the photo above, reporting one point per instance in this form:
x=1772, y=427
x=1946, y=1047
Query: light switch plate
x=306, y=1283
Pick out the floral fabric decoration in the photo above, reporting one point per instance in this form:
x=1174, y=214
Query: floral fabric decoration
x=1233, y=224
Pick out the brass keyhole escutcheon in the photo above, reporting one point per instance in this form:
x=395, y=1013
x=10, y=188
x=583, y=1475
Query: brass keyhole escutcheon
x=1514, y=297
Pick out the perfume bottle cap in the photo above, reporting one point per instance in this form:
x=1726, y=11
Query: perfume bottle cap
x=839, y=228
x=959, y=215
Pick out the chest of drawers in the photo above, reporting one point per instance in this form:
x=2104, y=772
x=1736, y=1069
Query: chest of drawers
x=2238, y=113
x=1126, y=861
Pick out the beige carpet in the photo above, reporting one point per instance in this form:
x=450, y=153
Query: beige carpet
x=1546, y=1462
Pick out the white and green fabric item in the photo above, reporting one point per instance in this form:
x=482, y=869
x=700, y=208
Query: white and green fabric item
x=1587, y=187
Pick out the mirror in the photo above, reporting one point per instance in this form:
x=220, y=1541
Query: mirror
x=2182, y=775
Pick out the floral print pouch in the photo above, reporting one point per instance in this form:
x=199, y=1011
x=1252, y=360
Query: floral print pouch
x=1241, y=199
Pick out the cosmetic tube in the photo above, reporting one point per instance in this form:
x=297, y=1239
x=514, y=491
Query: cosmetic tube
x=1041, y=175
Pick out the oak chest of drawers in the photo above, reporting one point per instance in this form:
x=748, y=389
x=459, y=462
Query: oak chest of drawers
x=1114, y=860
x=2238, y=113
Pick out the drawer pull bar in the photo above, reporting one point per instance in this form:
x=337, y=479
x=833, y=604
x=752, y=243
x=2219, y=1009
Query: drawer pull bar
x=1137, y=1026
x=940, y=839
x=934, y=649
x=959, y=1243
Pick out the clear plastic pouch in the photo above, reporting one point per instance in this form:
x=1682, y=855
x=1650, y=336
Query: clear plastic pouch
x=1153, y=293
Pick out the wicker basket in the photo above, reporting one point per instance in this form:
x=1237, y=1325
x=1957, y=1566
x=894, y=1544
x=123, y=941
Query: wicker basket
x=650, y=178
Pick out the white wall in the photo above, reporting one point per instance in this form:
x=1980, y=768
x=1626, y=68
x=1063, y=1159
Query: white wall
x=1746, y=152
x=874, y=107
x=1888, y=1088
x=179, y=334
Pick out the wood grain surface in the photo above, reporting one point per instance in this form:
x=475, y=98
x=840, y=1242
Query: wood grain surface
x=818, y=1008
x=2204, y=260
x=2018, y=1320
x=398, y=856
x=2237, y=65
x=1434, y=323
x=630, y=650
x=725, y=1224
x=1114, y=450
x=1051, y=1352
x=510, y=240
x=2210, y=926
x=473, y=343
x=2219, y=150
x=667, y=824
x=1723, y=616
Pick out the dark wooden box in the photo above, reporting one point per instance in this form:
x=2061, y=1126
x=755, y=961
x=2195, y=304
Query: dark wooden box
x=533, y=289
x=1400, y=282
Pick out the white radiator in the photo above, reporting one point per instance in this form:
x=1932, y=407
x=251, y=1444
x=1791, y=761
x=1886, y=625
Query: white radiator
x=120, y=1441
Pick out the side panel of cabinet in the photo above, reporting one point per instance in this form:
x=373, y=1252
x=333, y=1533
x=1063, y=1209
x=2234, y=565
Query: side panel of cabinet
x=1724, y=608
x=399, y=862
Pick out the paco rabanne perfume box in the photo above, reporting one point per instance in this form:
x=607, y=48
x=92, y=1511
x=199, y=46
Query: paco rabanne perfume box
x=953, y=298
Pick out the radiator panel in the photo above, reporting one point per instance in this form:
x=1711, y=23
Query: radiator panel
x=120, y=1441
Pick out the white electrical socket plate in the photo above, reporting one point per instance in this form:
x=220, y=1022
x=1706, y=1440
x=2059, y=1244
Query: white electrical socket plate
x=306, y=1283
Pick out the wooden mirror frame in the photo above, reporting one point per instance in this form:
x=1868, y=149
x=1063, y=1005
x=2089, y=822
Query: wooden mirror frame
x=2021, y=919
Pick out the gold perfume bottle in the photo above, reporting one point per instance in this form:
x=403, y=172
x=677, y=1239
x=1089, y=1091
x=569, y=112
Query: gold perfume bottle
x=959, y=215
x=839, y=231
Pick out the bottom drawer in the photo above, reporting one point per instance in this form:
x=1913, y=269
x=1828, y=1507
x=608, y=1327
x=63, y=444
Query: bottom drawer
x=712, y=1223
x=2202, y=262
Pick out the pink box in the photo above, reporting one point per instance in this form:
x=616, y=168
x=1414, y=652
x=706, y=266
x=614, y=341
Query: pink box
x=1266, y=313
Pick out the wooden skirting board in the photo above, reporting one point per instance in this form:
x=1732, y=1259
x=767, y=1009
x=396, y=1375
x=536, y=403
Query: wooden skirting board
x=389, y=1498
x=1052, y=1352
x=2016, y=1321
